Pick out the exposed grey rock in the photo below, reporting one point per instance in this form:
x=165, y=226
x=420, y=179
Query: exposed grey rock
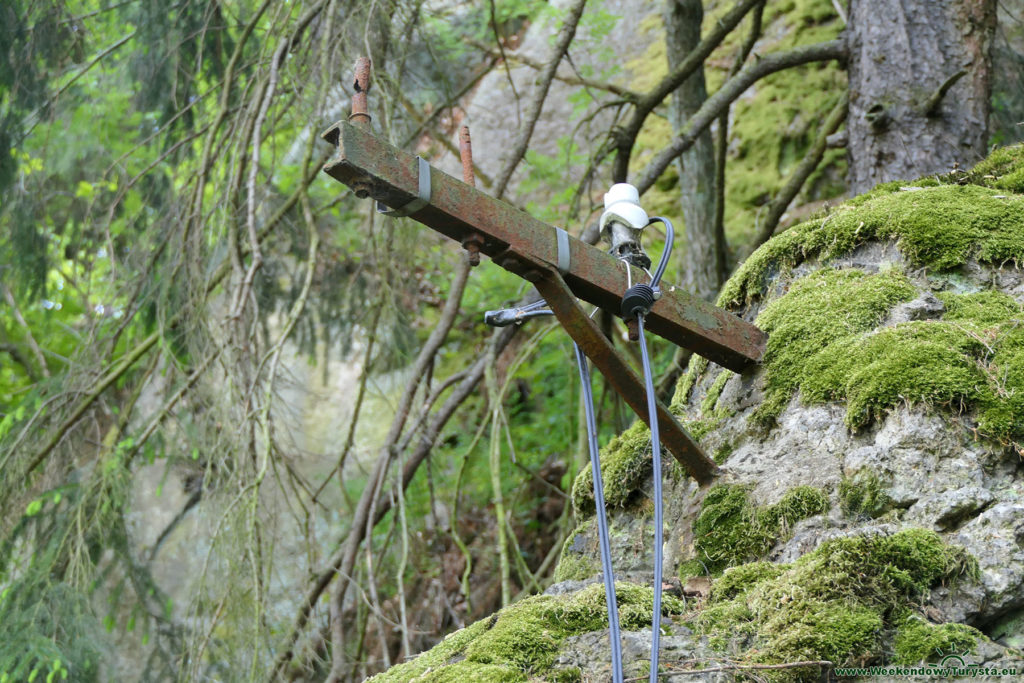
x=591, y=653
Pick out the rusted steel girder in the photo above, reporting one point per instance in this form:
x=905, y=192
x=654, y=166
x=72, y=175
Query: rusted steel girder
x=517, y=242
x=622, y=377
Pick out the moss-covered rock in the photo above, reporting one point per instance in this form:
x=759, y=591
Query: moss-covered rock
x=824, y=309
x=861, y=495
x=625, y=463
x=731, y=530
x=832, y=604
x=918, y=641
x=938, y=226
x=575, y=563
x=522, y=639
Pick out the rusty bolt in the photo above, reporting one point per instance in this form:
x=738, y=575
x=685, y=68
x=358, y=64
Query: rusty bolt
x=472, y=244
x=466, y=153
x=633, y=329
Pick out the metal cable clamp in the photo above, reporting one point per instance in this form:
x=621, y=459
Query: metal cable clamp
x=562, y=242
x=416, y=204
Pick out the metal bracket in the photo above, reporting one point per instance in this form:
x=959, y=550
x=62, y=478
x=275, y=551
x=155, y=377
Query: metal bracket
x=416, y=204
x=619, y=374
x=515, y=240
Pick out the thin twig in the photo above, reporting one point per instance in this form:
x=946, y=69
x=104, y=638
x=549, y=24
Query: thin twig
x=565, y=36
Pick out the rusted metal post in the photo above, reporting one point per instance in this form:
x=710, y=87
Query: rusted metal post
x=466, y=154
x=473, y=241
x=360, y=116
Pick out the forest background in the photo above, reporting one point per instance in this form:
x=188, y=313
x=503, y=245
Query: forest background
x=249, y=429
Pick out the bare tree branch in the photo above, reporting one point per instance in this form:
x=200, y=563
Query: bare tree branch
x=625, y=138
x=732, y=89
x=800, y=174
x=565, y=36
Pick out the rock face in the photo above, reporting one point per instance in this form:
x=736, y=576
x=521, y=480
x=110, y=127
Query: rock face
x=870, y=508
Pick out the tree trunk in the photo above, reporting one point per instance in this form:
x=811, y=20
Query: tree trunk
x=919, y=87
x=701, y=262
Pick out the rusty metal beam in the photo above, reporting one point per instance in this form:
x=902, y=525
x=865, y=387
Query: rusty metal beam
x=517, y=242
x=619, y=374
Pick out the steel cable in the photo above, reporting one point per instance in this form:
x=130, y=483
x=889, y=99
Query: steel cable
x=602, y=521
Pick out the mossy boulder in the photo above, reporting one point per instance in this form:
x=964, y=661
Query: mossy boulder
x=868, y=510
x=521, y=641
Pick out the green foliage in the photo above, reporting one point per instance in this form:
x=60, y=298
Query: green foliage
x=731, y=530
x=832, y=603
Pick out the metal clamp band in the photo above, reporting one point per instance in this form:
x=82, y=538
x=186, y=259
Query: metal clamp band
x=562, y=240
x=415, y=205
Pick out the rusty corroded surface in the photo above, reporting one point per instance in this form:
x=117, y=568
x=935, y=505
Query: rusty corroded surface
x=360, y=115
x=466, y=154
x=514, y=239
x=473, y=241
x=620, y=375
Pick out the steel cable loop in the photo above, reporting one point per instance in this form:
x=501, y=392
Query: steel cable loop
x=602, y=521
x=670, y=236
x=652, y=412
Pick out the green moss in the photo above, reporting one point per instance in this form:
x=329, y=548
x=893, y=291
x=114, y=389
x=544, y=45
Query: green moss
x=523, y=639
x=571, y=675
x=736, y=581
x=696, y=367
x=1003, y=169
x=573, y=565
x=939, y=227
x=715, y=391
x=625, y=464
x=731, y=530
x=862, y=495
x=722, y=453
x=833, y=602
x=919, y=641
x=972, y=357
x=823, y=341
x=823, y=309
